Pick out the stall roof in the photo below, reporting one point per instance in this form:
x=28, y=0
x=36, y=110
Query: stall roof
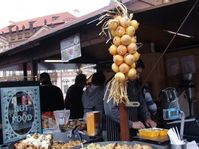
x=159, y=25
x=155, y=21
x=53, y=19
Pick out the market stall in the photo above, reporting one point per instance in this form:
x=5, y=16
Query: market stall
x=153, y=140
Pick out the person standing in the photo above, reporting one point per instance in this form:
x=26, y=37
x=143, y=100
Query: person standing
x=92, y=98
x=51, y=96
x=139, y=117
x=151, y=105
x=73, y=98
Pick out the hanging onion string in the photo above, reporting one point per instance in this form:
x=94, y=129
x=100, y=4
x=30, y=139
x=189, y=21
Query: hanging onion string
x=120, y=29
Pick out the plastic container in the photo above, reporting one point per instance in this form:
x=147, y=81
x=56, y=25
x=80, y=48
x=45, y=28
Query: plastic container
x=62, y=118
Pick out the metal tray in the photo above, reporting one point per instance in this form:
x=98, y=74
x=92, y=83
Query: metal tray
x=154, y=146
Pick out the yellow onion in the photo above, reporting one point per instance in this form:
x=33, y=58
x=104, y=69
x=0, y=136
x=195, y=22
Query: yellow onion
x=131, y=73
x=132, y=48
x=135, y=24
x=121, y=50
x=115, y=67
x=116, y=40
x=129, y=59
x=125, y=22
x=113, y=33
x=133, y=65
x=120, y=77
x=136, y=56
x=113, y=24
x=134, y=39
x=126, y=40
x=120, y=31
x=124, y=68
x=112, y=49
x=118, y=59
x=130, y=31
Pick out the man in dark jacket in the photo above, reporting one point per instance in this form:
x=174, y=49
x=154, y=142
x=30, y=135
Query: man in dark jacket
x=73, y=100
x=51, y=95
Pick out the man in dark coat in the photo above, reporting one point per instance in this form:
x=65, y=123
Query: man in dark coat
x=51, y=95
x=73, y=98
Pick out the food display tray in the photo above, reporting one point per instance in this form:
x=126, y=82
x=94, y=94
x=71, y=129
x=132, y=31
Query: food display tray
x=156, y=140
x=154, y=146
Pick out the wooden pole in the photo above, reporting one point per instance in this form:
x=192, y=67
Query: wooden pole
x=124, y=129
x=25, y=74
x=34, y=70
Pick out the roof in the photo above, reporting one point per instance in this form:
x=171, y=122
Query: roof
x=63, y=27
x=54, y=19
x=87, y=19
x=142, y=14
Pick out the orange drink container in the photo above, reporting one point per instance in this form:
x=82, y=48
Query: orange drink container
x=93, y=123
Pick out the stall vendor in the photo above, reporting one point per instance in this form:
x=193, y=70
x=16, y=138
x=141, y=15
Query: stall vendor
x=138, y=117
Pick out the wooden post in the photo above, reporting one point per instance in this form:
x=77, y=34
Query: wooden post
x=124, y=129
x=25, y=74
x=34, y=69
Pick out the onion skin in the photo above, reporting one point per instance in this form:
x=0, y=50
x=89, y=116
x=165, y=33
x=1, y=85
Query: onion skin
x=130, y=31
x=120, y=77
x=133, y=65
x=125, y=22
x=136, y=56
x=118, y=59
x=132, y=48
x=116, y=41
x=124, y=68
x=121, y=50
x=113, y=24
x=131, y=73
x=115, y=68
x=129, y=59
x=113, y=49
x=120, y=31
x=113, y=33
x=134, y=39
x=135, y=24
x=126, y=40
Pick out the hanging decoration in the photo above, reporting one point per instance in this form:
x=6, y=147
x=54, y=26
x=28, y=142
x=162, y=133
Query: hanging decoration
x=120, y=27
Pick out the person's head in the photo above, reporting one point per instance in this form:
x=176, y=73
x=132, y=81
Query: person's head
x=45, y=78
x=80, y=80
x=139, y=68
x=98, y=79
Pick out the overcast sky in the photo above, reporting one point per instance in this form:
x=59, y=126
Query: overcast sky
x=18, y=10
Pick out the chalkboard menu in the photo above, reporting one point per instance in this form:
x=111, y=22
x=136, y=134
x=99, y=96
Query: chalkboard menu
x=20, y=110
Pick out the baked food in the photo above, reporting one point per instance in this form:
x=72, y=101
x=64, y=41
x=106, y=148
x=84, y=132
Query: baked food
x=36, y=141
x=116, y=146
x=153, y=132
x=68, y=145
x=44, y=141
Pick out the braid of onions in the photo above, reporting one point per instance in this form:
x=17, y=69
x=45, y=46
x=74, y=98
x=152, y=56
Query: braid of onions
x=120, y=28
